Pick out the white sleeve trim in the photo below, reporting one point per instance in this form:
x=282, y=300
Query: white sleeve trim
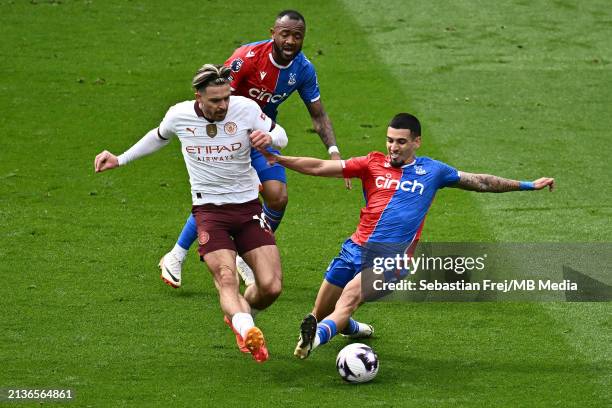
x=315, y=99
x=151, y=142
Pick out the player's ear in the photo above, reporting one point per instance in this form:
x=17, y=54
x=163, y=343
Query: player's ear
x=271, y=31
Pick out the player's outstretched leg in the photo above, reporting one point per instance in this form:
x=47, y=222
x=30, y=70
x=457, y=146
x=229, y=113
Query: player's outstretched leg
x=348, y=302
x=171, y=263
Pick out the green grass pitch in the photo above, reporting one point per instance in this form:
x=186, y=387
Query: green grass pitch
x=516, y=88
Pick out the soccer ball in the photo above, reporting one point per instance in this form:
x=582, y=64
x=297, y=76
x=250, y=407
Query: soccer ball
x=357, y=363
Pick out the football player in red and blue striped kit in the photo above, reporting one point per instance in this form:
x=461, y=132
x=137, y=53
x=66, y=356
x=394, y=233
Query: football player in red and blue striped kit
x=399, y=188
x=267, y=72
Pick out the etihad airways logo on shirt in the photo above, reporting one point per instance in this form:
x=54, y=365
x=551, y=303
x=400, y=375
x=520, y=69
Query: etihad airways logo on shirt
x=406, y=185
x=213, y=149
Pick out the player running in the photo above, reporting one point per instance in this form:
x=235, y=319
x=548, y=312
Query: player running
x=399, y=188
x=217, y=132
x=267, y=72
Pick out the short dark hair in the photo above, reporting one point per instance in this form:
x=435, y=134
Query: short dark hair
x=406, y=121
x=292, y=14
x=210, y=74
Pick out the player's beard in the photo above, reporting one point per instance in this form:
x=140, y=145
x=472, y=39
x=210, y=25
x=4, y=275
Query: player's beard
x=220, y=115
x=396, y=163
x=279, y=51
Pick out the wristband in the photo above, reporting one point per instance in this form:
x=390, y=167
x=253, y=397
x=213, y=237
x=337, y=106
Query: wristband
x=526, y=185
x=333, y=149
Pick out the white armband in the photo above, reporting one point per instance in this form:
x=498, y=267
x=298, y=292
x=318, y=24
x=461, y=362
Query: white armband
x=151, y=142
x=279, y=136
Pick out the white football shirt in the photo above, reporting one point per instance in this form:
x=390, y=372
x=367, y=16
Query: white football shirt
x=217, y=154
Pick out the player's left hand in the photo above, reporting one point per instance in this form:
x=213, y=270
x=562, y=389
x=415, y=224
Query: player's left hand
x=543, y=182
x=347, y=181
x=260, y=139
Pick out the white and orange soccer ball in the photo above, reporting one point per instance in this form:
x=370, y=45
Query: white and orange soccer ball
x=357, y=363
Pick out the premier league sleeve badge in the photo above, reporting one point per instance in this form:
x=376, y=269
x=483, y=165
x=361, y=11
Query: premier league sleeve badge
x=236, y=65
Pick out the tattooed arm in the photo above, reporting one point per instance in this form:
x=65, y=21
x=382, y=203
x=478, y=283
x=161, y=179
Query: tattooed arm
x=486, y=183
x=322, y=124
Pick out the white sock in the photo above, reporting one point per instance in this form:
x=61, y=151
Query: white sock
x=242, y=322
x=316, y=342
x=179, y=252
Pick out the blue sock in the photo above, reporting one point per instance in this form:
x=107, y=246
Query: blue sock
x=273, y=217
x=326, y=330
x=188, y=234
x=352, y=327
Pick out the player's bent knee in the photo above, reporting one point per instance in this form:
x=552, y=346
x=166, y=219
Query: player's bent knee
x=275, y=195
x=278, y=203
x=272, y=289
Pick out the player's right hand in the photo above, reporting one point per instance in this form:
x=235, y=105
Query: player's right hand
x=105, y=161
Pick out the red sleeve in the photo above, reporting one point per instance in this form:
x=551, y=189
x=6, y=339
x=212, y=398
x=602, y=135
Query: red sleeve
x=355, y=167
x=237, y=63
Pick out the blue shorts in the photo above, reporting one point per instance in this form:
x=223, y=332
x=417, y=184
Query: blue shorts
x=265, y=172
x=353, y=258
x=343, y=268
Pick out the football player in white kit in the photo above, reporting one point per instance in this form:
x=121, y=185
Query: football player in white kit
x=216, y=132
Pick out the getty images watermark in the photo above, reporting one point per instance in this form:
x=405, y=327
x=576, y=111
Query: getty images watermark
x=487, y=272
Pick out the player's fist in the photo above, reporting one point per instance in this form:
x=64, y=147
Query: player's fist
x=544, y=182
x=260, y=139
x=105, y=161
